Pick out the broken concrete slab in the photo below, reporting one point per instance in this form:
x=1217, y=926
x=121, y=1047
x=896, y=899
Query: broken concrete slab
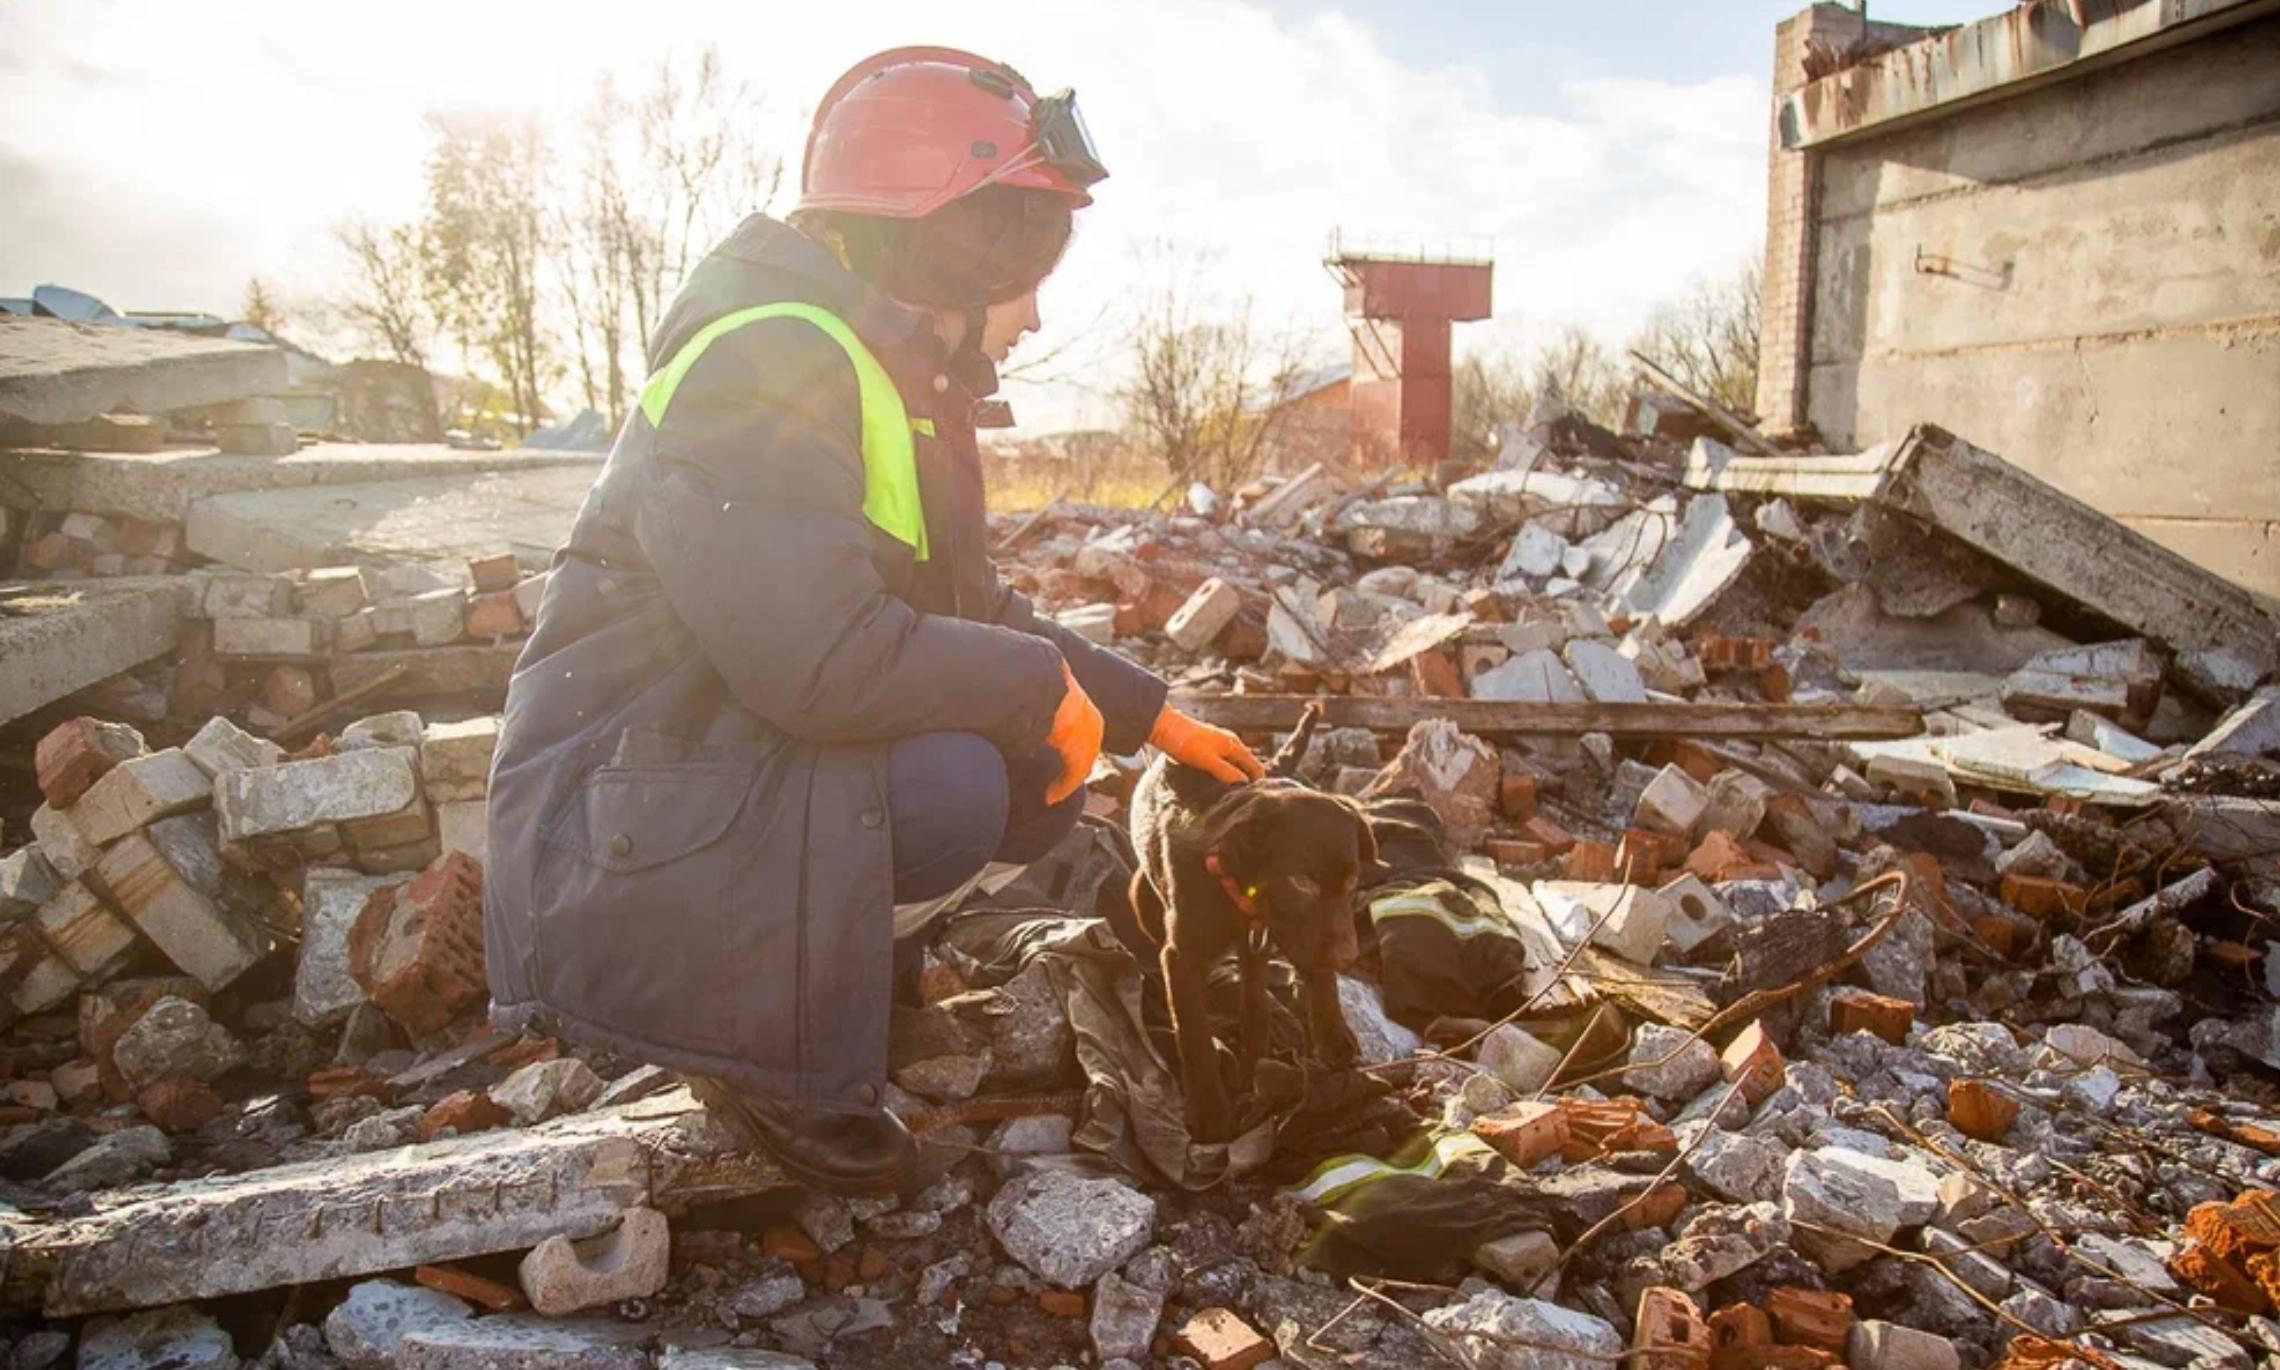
x=60, y=638
x=160, y=487
x=2224, y=641
x=503, y=1190
x=443, y=521
x=561, y=1276
x=56, y=371
x=1704, y=554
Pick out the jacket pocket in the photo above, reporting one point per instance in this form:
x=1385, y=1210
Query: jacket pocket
x=630, y=818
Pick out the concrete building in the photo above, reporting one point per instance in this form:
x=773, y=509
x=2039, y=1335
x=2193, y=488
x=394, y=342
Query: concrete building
x=2055, y=232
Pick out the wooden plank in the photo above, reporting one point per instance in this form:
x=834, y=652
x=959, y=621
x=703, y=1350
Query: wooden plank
x=383, y=1210
x=1498, y=718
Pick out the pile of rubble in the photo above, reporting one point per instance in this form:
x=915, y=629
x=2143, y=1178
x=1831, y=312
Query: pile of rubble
x=1851, y=952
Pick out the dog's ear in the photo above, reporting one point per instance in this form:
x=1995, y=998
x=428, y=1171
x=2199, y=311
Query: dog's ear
x=1372, y=869
x=1236, y=829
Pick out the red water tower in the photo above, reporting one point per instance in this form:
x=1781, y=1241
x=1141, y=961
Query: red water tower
x=1399, y=307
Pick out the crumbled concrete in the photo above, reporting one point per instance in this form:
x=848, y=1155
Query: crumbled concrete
x=1068, y=1230
x=1507, y=1333
x=1691, y=1067
x=561, y=1276
x=176, y=1338
x=363, y=1328
x=175, y=1037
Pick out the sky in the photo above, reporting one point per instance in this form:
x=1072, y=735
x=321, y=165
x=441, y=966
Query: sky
x=1609, y=155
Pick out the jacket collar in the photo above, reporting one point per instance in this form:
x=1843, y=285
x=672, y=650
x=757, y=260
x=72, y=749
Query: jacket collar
x=903, y=338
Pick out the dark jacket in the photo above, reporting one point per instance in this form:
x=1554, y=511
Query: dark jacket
x=690, y=859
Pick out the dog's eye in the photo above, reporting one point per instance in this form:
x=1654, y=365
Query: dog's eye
x=1305, y=884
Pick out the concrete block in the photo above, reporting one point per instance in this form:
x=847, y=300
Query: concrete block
x=1666, y=1064
x=464, y=826
x=1853, y=1193
x=1092, y=622
x=438, y=617
x=78, y=752
x=36, y=979
x=239, y=595
x=1672, y=803
x=140, y=791
x=1069, y=1230
x=1518, y=1262
x=364, y=1328
x=455, y=758
x=523, y=1341
x=61, y=843
x=418, y=949
x=331, y=898
x=258, y=439
x=26, y=882
x=1124, y=1318
x=529, y=592
x=1605, y=673
x=1874, y=1345
x=270, y=637
x=87, y=935
x=547, y=1089
x=357, y=631
x=175, y=1037
x=347, y=786
x=1207, y=612
x=1506, y=1333
x=1516, y=1057
x=1736, y=804
x=562, y=1276
x=397, y=728
x=1698, y=912
x=222, y=746
x=171, y=887
x=332, y=592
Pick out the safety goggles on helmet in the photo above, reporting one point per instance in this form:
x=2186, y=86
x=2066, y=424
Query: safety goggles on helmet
x=1063, y=141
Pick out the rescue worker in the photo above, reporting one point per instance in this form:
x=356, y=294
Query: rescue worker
x=778, y=705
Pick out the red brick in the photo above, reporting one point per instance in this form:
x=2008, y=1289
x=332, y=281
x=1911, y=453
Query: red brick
x=339, y=1082
x=1546, y=834
x=1857, y=1010
x=1755, y=1062
x=289, y=690
x=75, y=754
x=494, y=615
x=1062, y=1303
x=55, y=552
x=178, y=1103
x=1642, y=856
x=1590, y=861
x=1516, y=796
x=1658, y=1208
x=1526, y=1132
x=495, y=572
x=469, y=1110
x=2043, y=898
x=1981, y=1111
x=788, y=1242
x=1668, y=1332
x=1718, y=858
x=417, y=949
x=1819, y=1318
x=466, y=1284
x=1740, y=1326
x=1223, y=1341
x=1435, y=675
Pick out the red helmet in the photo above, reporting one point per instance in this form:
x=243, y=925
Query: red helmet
x=907, y=131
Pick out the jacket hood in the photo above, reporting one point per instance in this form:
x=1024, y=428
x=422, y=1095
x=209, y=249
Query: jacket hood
x=766, y=261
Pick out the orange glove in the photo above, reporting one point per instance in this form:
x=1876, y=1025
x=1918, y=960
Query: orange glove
x=1214, y=751
x=1076, y=731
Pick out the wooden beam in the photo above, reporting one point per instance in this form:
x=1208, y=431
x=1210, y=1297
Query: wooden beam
x=382, y=1210
x=1499, y=718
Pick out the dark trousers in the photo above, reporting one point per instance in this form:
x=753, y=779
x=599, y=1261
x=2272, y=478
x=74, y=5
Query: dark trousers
x=956, y=805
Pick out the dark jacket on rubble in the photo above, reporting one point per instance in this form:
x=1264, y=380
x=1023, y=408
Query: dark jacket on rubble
x=690, y=859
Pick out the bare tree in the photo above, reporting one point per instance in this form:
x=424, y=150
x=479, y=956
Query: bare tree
x=1710, y=339
x=1207, y=395
x=1490, y=389
x=594, y=263
x=385, y=304
x=697, y=169
x=486, y=232
x=1579, y=368
x=260, y=307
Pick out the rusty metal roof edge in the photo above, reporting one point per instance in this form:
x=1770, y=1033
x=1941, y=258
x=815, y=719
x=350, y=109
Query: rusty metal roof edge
x=1995, y=58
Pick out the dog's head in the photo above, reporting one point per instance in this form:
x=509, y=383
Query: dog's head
x=1296, y=855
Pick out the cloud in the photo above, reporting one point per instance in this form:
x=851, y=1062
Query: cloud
x=242, y=134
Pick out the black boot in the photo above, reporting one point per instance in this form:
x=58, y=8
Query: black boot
x=845, y=1152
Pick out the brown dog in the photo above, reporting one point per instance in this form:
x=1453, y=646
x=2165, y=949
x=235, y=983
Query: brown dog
x=1233, y=868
